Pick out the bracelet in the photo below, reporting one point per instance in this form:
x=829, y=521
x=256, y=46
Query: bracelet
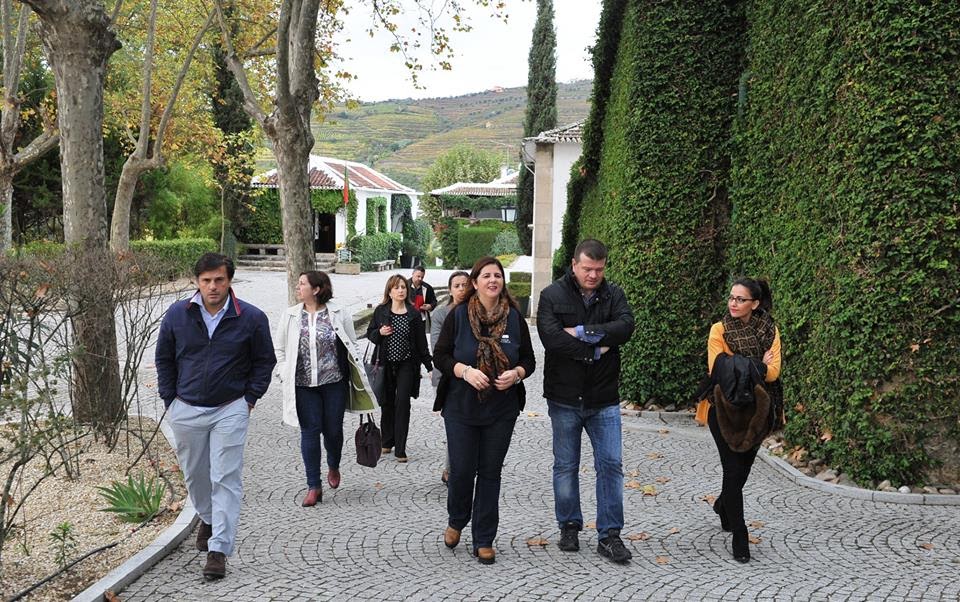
x=463, y=375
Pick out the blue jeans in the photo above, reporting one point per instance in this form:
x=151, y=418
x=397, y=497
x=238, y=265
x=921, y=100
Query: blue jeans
x=320, y=412
x=603, y=428
x=476, y=462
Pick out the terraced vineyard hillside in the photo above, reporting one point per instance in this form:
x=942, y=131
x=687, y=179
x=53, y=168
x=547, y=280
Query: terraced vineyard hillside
x=403, y=137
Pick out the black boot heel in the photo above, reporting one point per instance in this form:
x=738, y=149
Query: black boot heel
x=741, y=546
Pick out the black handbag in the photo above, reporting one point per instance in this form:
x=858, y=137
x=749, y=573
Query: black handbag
x=368, y=441
x=375, y=372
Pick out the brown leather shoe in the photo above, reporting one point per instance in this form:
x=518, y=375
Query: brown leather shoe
x=451, y=537
x=203, y=536
x=216, y=567
x=314, y=495
x=445, y=476
x=386, y=450
x=486, y=555
x=333, y=478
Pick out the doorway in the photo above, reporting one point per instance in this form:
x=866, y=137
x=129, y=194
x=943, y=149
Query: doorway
x=325, y=233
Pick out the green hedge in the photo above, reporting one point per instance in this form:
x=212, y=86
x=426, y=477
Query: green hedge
x=448, y=233
x=519, y=289
x=376, y=215
x=521, y=277
x=846, y=187
x=653, y=187
x=378, y=247
x=474, y=242
x=178, y=256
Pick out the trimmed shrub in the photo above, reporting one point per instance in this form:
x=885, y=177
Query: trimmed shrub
x=473, y=243
x=521, y=277
x=519, y=289
x=507, y=243
x=378, y=247
x=448, y=233
x=179, y=255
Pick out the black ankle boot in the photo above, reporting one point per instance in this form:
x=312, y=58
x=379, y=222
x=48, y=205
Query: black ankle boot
x=741, y=545
x=724, y=522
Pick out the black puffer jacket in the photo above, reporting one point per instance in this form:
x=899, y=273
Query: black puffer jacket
x=571, y=376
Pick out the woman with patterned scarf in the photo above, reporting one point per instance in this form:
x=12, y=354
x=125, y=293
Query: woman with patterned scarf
x=747, y=330
x=484, y=353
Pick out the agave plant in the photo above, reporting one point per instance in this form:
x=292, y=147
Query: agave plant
x=135, y=500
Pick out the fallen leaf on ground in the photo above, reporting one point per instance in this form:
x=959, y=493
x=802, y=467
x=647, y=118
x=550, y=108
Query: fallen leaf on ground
x=632, y=485
x=663, y=560
x=710, y=499
x=662, y=480
x=533, y=414
x=109, y=596
x=827, y=435
x=378, y=485
x=174, y=468
x=655, y=455
x=663, y=431
x=176, y=506
x=641, y=536
x=757, y=524
x=673, y=531
x=926, y=546
x=754, y=539
x=537, y=541
x=633, y=473
x=649, y=490
x=914, y=348
x=590, y=525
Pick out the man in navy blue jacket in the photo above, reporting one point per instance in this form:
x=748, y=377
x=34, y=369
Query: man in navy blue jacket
x=214, y=361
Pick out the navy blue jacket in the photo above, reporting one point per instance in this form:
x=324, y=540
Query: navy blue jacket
x=237, y=361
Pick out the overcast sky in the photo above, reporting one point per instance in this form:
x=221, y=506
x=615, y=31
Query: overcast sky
x=493, y=54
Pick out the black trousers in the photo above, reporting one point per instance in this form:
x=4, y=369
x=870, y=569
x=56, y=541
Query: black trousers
x=395, y=420
x=736, y=469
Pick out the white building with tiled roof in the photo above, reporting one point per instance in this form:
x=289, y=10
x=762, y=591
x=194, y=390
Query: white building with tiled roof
x=327, y=173
x=550, y=155
x=504, y=186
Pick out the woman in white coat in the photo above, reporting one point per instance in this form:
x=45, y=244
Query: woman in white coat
x=321, y=371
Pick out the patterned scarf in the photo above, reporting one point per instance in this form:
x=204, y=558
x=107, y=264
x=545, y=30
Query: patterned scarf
x=752, y=340
x=491, y=360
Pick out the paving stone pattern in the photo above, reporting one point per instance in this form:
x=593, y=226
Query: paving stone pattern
x=379, y=536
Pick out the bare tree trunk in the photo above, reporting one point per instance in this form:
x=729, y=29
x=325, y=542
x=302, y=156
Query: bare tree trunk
x=6, y=206
x=292, y=165
x=77, y=42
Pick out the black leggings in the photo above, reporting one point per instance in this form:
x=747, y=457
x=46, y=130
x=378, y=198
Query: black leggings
x=736, y=469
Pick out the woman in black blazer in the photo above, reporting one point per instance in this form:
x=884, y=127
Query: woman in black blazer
x=400, y=336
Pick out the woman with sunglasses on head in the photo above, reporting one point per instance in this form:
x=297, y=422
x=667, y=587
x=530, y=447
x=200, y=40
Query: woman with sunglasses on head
x=747, y=337
x=484, y=353
x=400, y=336
x=458, y=285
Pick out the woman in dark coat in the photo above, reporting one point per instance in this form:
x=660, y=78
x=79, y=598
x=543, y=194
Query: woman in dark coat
x=484, y=353
x=747, y=330
x=401, y=339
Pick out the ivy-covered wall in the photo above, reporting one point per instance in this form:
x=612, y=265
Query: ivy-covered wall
x=812, y=143
x=846, y=191
x=657, y=183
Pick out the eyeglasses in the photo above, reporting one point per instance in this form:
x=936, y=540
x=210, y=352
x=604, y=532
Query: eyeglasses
x=738, y=300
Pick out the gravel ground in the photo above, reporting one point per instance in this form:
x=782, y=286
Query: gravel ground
x=29, y=554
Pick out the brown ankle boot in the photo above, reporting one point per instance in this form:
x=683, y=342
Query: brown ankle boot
x=314, y=495
x=451, y=537
x=486, y=555
x=204, y=533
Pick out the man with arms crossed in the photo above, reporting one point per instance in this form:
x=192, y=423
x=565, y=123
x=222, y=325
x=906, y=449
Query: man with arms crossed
x=583, y=320
x=214, y=361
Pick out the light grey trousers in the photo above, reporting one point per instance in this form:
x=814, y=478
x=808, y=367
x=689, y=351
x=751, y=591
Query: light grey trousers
x=210, y=451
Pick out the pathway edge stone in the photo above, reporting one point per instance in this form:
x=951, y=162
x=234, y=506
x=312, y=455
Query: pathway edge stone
x=685, y=419
x=142, y=561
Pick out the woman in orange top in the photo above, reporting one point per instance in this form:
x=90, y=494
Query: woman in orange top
x=748, y=330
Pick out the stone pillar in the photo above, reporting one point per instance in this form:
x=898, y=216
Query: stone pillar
x=542, y=223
